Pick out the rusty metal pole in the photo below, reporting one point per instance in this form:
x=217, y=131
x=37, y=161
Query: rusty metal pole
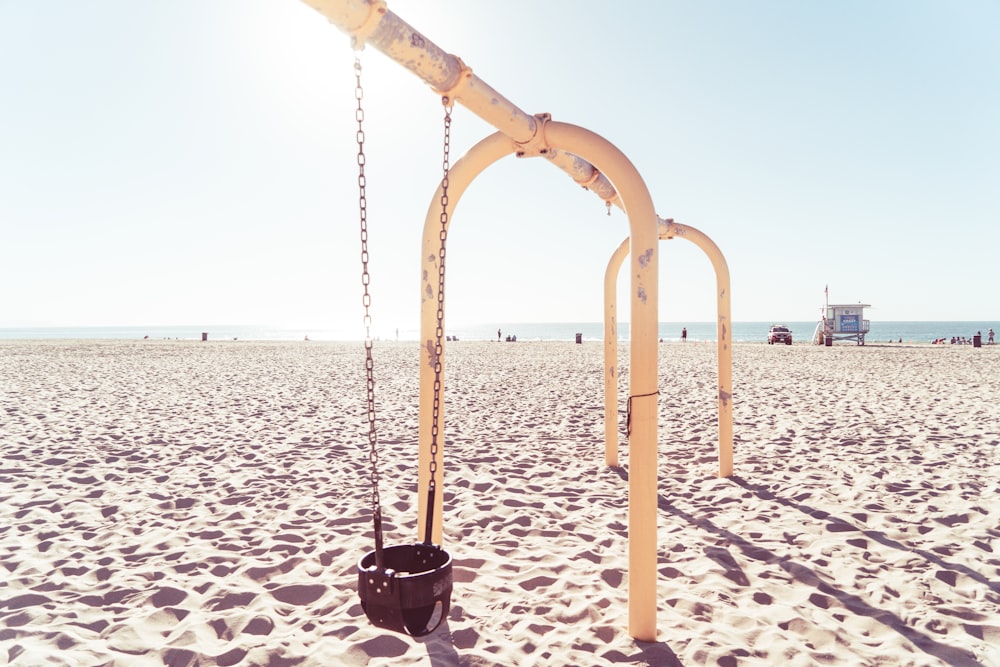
x=643, y=363
x=611, y=372
x=371, y=22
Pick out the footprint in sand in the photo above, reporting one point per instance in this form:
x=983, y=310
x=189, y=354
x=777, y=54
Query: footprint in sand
x=299, y=594
x=536, y=582
x=168, y=597
x=231, y=600
x=232, y=657
x=259, y=625
x=26, y=600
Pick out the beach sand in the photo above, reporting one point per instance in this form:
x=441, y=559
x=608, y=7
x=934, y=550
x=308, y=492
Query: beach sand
x=205, y=503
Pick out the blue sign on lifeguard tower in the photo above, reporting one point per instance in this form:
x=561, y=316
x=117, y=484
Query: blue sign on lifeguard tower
x=849, y=323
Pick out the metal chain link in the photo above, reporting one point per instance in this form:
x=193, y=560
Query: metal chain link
x=359, y=115
x=439, y=332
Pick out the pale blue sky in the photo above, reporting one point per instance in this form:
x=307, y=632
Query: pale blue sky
x=194, y=161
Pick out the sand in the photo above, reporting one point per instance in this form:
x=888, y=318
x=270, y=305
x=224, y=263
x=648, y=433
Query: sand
x=205, y=503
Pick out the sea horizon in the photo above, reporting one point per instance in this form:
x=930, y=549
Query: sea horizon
x=742, y=332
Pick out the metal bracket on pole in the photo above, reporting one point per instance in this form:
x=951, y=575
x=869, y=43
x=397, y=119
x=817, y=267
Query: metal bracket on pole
x=464, y=79
x=361, y=34
x=586, y=175
x=536, y=145
x=668, y=229
x=587, y=184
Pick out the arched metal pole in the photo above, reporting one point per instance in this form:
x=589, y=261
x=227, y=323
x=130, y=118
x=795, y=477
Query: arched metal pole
x=669, y=229
x=642, y=513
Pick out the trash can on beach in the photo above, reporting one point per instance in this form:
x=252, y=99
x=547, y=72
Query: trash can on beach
x=829, y=340
x=977, y=340
x=579, y=338
x=204, y=335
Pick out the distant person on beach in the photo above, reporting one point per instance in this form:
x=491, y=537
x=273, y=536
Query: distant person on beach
x=684, y=335
x=990, y=334
x=498, y=335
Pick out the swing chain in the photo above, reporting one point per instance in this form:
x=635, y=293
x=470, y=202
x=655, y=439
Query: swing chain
x=439, y=332
x=359, y=115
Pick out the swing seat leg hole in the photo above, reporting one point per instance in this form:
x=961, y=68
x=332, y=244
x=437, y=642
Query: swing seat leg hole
x=416, y=622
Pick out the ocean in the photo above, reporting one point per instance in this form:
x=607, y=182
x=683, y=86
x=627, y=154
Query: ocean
x=742, y=332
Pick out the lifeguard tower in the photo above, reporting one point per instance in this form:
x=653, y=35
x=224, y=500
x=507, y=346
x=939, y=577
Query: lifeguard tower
x=843, y=322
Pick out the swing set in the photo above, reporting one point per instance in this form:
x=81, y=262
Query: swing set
x=407, y=588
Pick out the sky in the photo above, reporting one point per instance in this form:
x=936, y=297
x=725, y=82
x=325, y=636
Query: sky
x=196, y=161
